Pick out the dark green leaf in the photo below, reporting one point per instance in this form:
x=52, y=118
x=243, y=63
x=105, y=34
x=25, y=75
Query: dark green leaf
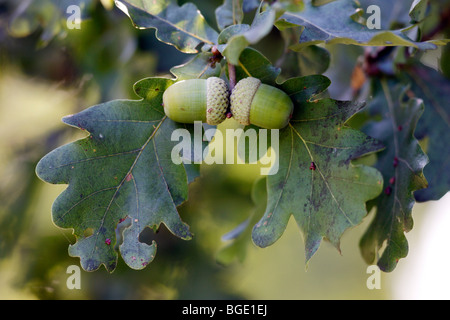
x=393, y=13
x=122, y=169
x=250, y=5
x=308, y=61
x=401, y=165
x=183, y=27
x=301, y=61
x=316, y=181
x=434, y=127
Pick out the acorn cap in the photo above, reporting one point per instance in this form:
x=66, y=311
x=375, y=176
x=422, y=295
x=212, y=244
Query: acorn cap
x=217, y=100
x=242, y=97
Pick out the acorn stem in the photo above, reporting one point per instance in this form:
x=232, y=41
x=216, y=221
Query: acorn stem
x=231, y=76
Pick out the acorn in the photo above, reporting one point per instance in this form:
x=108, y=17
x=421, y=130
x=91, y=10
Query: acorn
x=205, y=100
x=253, y=102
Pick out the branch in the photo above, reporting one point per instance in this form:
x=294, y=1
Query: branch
x=231, y=76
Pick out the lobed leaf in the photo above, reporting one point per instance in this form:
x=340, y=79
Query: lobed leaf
x=316, y=181
x=401, y=165
x=433, y=126
x=121, y=170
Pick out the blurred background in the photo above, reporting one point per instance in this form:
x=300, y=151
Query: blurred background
x=48, y=71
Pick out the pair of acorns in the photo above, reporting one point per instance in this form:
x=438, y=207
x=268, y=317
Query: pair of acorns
x=209, y=100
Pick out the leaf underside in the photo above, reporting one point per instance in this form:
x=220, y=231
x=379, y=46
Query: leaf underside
x=401, y=165
x=434, y=126
x=332, y=23
x=183, y=27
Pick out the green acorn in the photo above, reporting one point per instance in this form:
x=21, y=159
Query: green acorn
x=205, y=100
x=253, y=102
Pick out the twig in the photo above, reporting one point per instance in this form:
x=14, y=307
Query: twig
x=231, y=75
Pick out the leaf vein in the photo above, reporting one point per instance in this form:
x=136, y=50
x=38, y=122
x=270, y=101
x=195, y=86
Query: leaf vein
x=97, y=158
x=123, y=181
x=323, y=178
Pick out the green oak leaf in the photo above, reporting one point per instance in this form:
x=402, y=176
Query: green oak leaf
x=183, y=27
x=316, y=181
x=433, y=126
x=122, y=170
x=332, y=23
x=401, y=165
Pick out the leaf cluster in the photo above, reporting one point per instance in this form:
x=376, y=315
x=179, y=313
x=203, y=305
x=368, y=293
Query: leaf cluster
x=121, y=179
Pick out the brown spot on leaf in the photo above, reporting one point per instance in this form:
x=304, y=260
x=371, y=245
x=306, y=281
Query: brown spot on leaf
x=395, y=162
x=388, y=190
